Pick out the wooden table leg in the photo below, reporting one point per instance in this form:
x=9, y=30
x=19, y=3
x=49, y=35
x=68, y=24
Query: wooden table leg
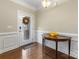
x=43, y=42
x=69, y=43
x=43, y=46
x=56, y=49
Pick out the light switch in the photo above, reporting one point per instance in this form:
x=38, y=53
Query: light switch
x=9, y=26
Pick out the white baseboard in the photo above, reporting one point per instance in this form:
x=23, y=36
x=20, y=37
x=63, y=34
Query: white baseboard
x=9, y=48
x=63, y=46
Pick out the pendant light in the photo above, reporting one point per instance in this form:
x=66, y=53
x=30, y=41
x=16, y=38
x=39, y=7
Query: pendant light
x=46, y=3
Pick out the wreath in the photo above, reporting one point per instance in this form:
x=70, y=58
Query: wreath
x=25, y=20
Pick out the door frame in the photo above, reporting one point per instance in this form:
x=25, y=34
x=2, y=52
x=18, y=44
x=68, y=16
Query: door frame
x=20, y=33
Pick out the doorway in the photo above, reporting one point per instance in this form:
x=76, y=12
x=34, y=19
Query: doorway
x=24, y=27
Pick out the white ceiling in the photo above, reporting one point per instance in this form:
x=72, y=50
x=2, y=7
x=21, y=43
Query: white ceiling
x=33, y=3
x=36, y=4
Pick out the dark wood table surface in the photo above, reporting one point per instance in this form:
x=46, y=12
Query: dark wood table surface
x=57, y=39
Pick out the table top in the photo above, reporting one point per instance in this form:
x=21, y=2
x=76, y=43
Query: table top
x=57, y=38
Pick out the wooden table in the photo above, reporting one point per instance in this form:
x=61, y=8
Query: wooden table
x=57, y=39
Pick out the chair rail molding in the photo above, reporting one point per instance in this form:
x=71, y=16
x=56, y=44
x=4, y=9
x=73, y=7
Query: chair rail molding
x=7, y=33
x=63, y=46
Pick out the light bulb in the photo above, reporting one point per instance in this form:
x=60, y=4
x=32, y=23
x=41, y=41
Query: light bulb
x=46, y=3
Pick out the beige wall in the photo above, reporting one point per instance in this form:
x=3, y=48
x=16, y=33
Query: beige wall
x=62, y=18
x=8, y=15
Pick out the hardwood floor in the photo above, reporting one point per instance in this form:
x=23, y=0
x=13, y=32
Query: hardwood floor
x=34, y=51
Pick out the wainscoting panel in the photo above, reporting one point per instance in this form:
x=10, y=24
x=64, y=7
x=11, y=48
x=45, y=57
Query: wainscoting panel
x=8, y=41
x=63, y=46
x=1, y=44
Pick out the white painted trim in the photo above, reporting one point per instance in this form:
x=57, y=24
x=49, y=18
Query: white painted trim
x=24, y=4
x=8, y=49
x=71, y=34
x=61, y=33
x=7, y=33
x=6, y=36
x=20, y=15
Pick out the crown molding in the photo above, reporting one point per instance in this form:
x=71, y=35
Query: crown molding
x=24, y=4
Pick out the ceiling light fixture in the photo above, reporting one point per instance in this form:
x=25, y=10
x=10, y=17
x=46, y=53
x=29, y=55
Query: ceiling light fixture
x=46, y=3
